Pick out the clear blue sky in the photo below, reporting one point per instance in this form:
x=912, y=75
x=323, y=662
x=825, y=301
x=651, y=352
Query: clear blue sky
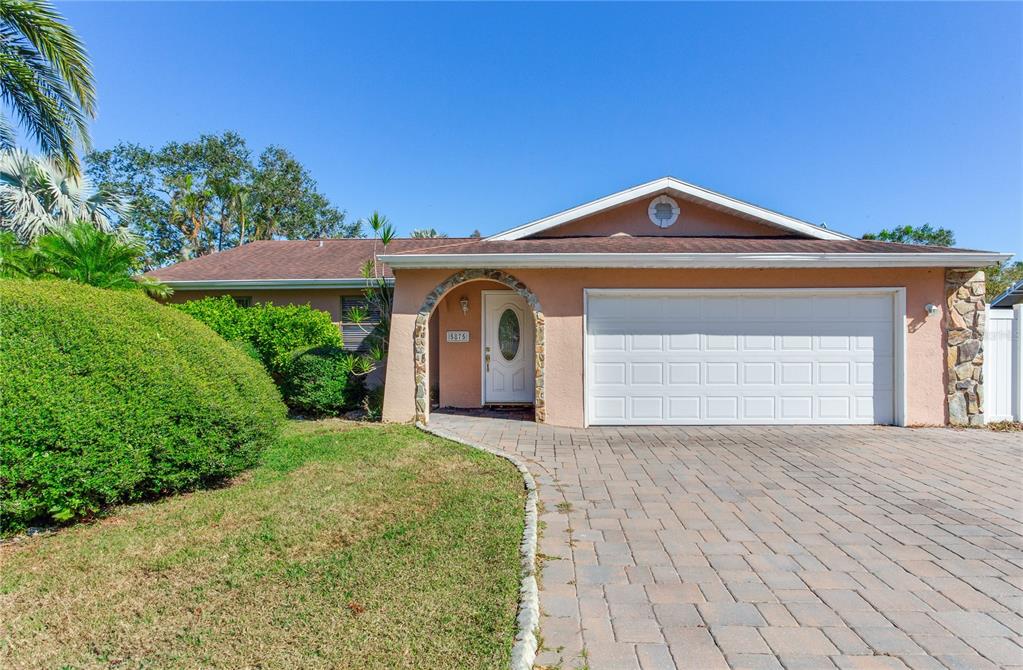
x=458, y=116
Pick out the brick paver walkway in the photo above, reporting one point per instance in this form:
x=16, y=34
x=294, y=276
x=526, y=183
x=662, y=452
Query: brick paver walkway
x=774, y=547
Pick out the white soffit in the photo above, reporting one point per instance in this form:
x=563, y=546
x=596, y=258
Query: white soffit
x=684, y=190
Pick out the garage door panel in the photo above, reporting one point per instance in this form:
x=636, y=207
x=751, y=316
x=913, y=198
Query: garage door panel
x=834, y=372
x=647, y=373
x=740, y=359
x=796, y=373
x=759, y=407
x=609, y=409
x=718, y=373
x=608, y=342
x=758, y=342
x=609, y=373
x=644, y=342
x=684, y=342
x=715, y=342
x=646, y=407
x=684, y=409
x=758, y=372
x=796, y=408
x=683, y=373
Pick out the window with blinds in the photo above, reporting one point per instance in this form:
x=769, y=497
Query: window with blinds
x=355, y=334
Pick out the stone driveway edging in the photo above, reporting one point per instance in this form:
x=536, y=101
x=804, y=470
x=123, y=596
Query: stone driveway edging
x=528, y=617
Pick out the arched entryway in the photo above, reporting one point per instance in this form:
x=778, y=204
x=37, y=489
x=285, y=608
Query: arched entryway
x=420, y=335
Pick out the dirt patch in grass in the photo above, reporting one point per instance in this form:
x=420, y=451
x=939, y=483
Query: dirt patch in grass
x=351, y=546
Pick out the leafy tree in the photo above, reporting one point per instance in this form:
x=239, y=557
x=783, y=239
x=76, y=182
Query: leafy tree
x=46, y=79
x=998, y=277
x=476, y=234
x=38, y=196
x=194, y=198
x=286, y=204
x=426, y=233
x=1001, y=277
x=925, y=234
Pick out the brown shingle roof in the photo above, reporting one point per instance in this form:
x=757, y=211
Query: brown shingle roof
x=290, y=259
x=344, y=258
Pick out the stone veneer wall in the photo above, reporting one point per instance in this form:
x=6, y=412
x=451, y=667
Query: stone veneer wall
x=421, y=332
x=964, y=331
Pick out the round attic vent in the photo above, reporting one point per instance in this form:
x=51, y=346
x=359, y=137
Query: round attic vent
x=663, y=211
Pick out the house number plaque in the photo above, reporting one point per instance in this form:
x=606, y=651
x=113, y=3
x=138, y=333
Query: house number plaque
x=458, y=336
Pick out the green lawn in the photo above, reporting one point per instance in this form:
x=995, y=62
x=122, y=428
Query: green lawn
x=351, y=546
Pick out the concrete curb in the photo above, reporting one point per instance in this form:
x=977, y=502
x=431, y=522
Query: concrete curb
x=528, y=618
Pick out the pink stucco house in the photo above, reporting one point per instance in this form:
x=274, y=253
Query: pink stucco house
x=665, y=303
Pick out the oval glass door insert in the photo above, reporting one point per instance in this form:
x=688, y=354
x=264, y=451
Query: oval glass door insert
x=508, y=334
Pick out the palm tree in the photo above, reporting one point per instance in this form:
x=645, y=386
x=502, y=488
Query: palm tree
x=46, y=79
x=83, y=254
x=426, y=233
x=189, y=213
x=38, y=196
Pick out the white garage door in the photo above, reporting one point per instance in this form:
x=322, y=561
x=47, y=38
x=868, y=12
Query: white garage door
x=705, y=357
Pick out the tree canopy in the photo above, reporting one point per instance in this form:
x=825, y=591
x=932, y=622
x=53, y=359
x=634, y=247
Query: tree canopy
x=193, y=198
x=925, y=234
x=998, y=277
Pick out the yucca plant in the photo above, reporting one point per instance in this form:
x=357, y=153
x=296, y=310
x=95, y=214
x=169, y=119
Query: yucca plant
x=46, y=80
x=378, y=294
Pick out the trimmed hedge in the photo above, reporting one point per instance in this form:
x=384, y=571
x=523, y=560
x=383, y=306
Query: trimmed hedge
x=274, y=330
x=320, y=381
x=109, y=397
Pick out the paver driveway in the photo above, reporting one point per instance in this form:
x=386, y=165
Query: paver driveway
x=771, y=547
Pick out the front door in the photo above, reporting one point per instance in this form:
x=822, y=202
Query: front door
x=508, y=356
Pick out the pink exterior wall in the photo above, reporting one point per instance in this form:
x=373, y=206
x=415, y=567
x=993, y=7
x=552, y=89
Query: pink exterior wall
x=693, y=221
x=560, y=292
x=461, y=362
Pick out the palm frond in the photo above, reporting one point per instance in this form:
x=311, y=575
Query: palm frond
x=38, y=196
x=44, y=28
x=46, y=78
x=7, y=133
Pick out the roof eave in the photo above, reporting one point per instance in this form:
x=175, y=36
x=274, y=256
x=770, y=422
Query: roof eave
x=1014, y=291
x=227, y=284
x=693, y=191
x=693, y=260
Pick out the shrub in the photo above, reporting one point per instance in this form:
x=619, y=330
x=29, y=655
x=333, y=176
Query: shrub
x=275, y=331
x=323, y=380
x=246, y=348
x=108, y=397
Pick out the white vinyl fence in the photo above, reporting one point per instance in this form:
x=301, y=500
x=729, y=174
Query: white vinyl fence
x=1003, y=365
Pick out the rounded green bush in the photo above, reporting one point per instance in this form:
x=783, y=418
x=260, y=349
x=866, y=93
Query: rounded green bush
x=321, y=381
x=274, y=331
x=108, y=397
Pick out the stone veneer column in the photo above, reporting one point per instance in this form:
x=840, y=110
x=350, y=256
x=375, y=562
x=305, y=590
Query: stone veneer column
x=420, y=337
x=964, y=332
